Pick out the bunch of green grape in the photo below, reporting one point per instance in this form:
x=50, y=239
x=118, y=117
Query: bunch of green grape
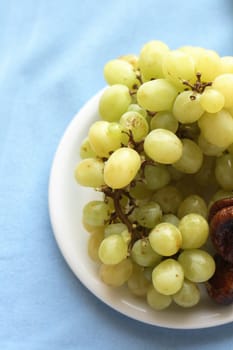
x=159, y=155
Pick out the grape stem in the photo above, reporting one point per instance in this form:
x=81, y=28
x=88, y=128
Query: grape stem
x=136, y=231
x=199, y=86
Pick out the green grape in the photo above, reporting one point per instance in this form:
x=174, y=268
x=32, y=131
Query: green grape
x=105, y=137
x=163, y=146
x=194, y=230
x=86, y=150
x=143, y=255
x=96, y=213
x=94, y=242
x=192, y=157
x=149, y=214
x=220, y=194
x=226, y=64
x=187, y=107
x=92, y=228
x=136, y=108
x=114, y=229
x=121, y=167
x=136, y=123
x=138, y=283
x=193, y=51
x=208, y=148
x=157, y=300
x=224, y=171
x=198, y=265
x=224, y=84
x=165, y=239
x=179, y=66
x=114, y=101
x=208, y=63
x=113, y=249
x=130, y=58
x=168, y=277
x=140, y=190
x=164, y=120
x=116, y=275
x=205, y=175
x=217, y=128
x=212, y=101
x=156, y=176
x=119, y=71
x=169, y=199
x=151, y=58
x=156, y=95
x=89, y=172
x=171, y=219
x=188, y=296
x=192, y=204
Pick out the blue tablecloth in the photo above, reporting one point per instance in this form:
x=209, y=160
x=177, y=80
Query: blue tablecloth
x=52, y=54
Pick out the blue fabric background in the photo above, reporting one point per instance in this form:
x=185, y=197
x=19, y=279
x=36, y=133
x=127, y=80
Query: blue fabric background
x=52, y=54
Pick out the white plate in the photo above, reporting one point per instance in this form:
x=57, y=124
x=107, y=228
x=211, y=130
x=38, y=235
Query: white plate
x=66, y=200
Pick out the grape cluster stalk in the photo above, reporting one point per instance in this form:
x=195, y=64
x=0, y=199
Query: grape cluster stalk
x=160, y=155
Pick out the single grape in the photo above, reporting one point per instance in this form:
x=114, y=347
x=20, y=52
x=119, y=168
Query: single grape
x=136, y=123
x=119, y=71
x=96, y=213
x=113, y=249
x=208, y=63
x=133, y=107
x=164, y=120
x=138, y=283
x=163, y=146
x=121, y=167
x=224, y=171
x=198, y=265
x=114, y=101
x=157, y=95
x=130, y=58
x=168, y=277
x=217, y=128
x=151, y=58
x=89, y=172
x=116, y=275
x=169, y=199
x=157, y=300
x=191, y=159
x=224, y=85
x=171, y=219
x=143, y=255
x=149, y=214
x=165, y=239
x=188, y=296
x=114, y=229
x=212, y=101
x=156, y=176
x=179, y=66
x=192, y=204
x=105, y=137
x=194, y=230
x=187, y=107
